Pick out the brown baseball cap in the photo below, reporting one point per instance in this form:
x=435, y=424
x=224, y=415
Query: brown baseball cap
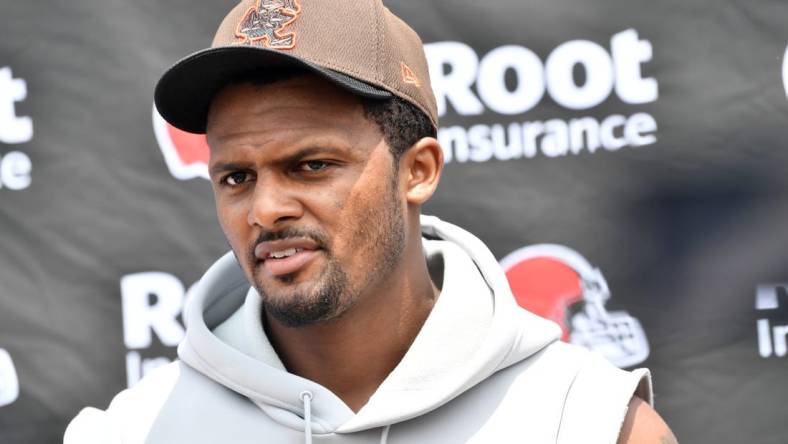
x=357, y=44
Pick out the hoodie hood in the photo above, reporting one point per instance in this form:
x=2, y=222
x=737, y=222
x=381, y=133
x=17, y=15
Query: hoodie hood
x=475, y=329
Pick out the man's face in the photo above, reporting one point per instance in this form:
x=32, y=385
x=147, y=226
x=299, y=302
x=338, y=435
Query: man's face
x=306, y=193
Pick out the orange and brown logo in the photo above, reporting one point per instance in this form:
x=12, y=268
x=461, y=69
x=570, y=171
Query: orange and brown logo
x=264, y=24
x=408, y=76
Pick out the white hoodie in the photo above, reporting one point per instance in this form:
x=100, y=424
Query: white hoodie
x=481, y=370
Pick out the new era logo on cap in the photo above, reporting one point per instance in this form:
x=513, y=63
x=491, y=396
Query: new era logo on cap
x=408, y=76
x=9, y=383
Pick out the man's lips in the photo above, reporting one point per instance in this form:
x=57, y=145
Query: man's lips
x=285, y=256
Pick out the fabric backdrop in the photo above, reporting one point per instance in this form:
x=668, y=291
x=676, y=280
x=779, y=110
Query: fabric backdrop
x=647, y=139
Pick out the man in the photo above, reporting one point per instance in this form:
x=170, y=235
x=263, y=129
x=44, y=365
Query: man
x=342, y=315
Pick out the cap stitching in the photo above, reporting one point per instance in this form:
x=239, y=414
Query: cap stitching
x=378, y=73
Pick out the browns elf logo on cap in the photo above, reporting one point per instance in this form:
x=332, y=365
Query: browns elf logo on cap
x=264, y=24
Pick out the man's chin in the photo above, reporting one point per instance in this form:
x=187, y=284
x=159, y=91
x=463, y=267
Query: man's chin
x=298, y=309
x=311, y=295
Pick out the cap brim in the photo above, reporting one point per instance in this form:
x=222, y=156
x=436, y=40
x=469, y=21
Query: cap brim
x=184, y=93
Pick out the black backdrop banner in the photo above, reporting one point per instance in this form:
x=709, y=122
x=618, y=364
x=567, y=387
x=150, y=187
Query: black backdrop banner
x=625, y=160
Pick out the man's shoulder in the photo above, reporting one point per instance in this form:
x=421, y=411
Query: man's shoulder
x=560, y=358
x=153, y=390
x=132, y=411
x=585, y=394
x=578, y=367
x=175, y=398
x=561, y=393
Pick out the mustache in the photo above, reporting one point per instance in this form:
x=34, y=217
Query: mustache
x=289, y=233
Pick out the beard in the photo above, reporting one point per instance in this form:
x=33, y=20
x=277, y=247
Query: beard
x=380, y=230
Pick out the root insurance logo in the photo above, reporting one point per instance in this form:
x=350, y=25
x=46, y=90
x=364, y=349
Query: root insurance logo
x=456, y=68
x=15, y=166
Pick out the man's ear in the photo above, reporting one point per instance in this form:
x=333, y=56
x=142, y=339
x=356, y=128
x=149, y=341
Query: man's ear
x=420, y=170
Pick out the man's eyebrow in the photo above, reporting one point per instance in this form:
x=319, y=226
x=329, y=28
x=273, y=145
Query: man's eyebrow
x=309, y=151
x=227, y=166
x=288, y=159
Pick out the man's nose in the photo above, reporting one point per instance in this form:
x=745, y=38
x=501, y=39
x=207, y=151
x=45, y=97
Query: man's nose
x=273, y=204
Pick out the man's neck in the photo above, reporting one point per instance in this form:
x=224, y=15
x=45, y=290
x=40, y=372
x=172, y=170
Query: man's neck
x=353, y=354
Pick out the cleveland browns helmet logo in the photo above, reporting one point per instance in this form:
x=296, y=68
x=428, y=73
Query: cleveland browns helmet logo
x=558, y=283
x=264, y=24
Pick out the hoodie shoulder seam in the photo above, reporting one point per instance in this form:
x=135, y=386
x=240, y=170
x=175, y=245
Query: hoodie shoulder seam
x=566, y=397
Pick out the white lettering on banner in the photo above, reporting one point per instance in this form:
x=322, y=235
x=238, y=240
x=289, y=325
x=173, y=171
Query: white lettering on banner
x=629, y=53
x=151, y=303
x=13, y=129
x=455, y=84
x=15, y=169
x=15, y=166
x=140, y=318
x=598, y=69
x=530, y=83
x=785, y=71
x=455, y=68
x=553, y=138
x=772, y=339
x=9, y=382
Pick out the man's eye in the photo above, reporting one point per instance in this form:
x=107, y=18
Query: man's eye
x=236, y=178
x=313, y=165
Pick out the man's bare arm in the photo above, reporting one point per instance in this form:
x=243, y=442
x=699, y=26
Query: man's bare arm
x=643, y=425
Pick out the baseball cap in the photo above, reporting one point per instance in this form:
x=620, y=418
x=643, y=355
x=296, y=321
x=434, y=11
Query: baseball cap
x=359, y=45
